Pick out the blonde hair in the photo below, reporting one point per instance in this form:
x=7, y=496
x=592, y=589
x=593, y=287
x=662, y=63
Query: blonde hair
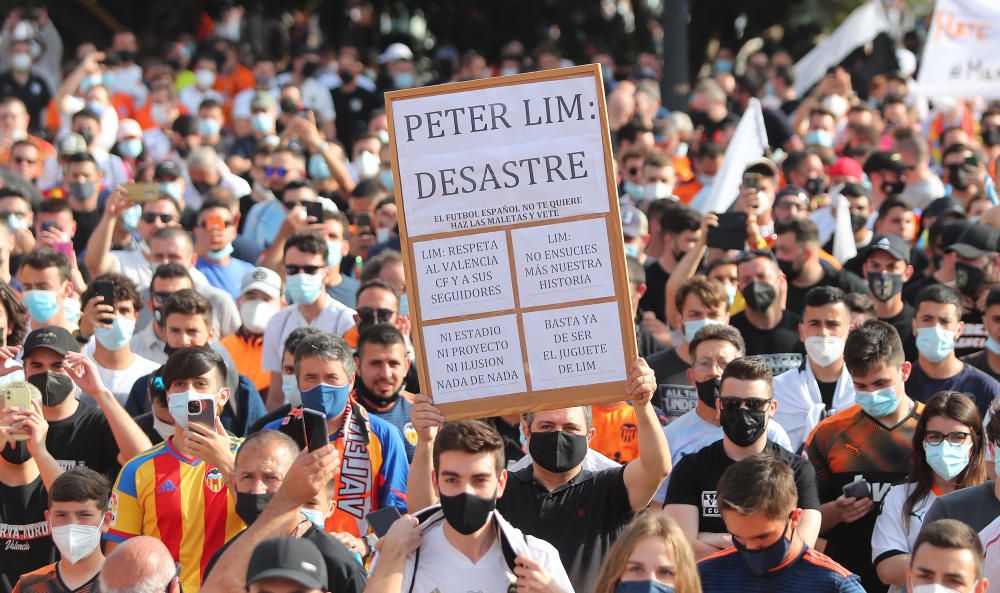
x=650, y=522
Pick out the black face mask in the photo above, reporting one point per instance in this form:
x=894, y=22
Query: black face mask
x=788, y=269
x=708, y=391
x=87, y=136
x=557, y=451
x=759, y=295
x=346, y=76
x=884, y=285
x=202, y=186
x=991, y=136
x=168, y=349
x=968, y=279
x=367, y=395
x=959, y=177
x=250, y=506
x=815, y=186
x=858, y=222
x=55, y=387
x=158, y=316
x=467, y=513
x=16, y=454
x=743, y=427
x=893, y=187
x=678, y=255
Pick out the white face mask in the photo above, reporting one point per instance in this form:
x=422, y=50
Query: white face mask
x=933, y=588
x=256, y=314
x=290, y=387
x=76, y=542
x=162, y=428
x=657, y=190
x=824, y=350
x=367, y=165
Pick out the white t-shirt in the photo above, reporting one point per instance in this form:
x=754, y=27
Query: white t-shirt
x=120, y=382
x=133, y=265
x=335, y=318
x=690, y=433
x=890, y=534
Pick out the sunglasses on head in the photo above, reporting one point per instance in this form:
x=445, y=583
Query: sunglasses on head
x=754, y=404
x=291, y=270
x=370, y=314
x=150, y=217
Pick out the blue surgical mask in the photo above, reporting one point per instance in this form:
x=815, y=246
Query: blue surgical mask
x=130, y=147
x=386, y=179
x=879, y=403
x=404, y=80
x=317, y=167
x=692, y=327
x=208, y=127
x=935, y=343
x=404, y=304
x=642, y=587
x=723, y=66
x=947, y=460
x=764, y=560
x=330, y=400
x=993, y=346
x=71, y=311
x=290, y=387
x=15, y=222
x=304, y=288
x=314, y=516
x=634, y=189
x=118, y=335
x=731, y=291
x=131, y=217
x=819, y=138
x=172, y=189
x=509, y=71
x=223, y=253
x=334, y=253
x=42, y=304
x=632, y=250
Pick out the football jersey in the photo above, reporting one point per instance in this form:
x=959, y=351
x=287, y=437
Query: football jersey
x=852, y=445
x=616, y=431
x=182, y=502
x=47, y=580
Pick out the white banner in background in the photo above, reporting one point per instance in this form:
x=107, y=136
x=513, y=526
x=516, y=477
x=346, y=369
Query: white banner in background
x=748, y=144
x=962, y=54
x=860, y=27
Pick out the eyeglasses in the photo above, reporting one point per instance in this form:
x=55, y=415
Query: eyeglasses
x=275, y=171
x=150, y=217
x=369, y=314
x=754, y=404
x=935, y=438
x=291, y=270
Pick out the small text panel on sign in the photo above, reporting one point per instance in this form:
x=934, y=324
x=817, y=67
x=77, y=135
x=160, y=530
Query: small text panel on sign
x=574, y=346
x=463, y=275
x=474, y=359
x=564, y=262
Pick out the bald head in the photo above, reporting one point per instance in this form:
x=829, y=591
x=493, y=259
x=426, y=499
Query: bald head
x=140, y=565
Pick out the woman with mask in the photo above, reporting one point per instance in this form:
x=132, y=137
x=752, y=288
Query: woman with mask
x=947, y=456
x=650, y=556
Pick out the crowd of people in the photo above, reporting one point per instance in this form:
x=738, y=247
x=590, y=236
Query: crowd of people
x=200, y=268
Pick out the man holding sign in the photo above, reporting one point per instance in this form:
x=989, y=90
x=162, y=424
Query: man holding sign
x=578, y=511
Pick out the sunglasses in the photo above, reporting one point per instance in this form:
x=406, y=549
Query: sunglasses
x=275, y=171
x=150, y=217
x=161, y=297
x=754, y=404
x=369, y=314
x=291, y=270
x=633, y=171
x=227, y=224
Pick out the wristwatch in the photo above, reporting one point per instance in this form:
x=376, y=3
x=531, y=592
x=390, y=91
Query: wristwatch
x=370, y=540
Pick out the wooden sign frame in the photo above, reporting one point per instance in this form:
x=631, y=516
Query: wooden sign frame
x=530, y=399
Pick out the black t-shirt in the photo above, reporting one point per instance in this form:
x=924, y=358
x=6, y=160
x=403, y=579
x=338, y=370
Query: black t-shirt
x=780, y=339
x=669, y=368
x=25, y=542
x=35, y=94
x=354, y=109
x=842, y=279
x=343, y=572
x=904, y=325
x=974, y=334
x=85, y=440
x=86, y=222
x=581, y=518
x=655, y=299
x=826, y=391
x=694, y=480
x=645, y=343
x=980, y=387
x=511, y=435
x=981, y=361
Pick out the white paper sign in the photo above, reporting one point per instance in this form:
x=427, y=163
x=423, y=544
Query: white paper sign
x=474, y=359
x=463, y=275
x=563, y=262
x=961, y=57
x=499, y=156
x=574, y=346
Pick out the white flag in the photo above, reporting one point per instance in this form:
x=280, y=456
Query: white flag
x=844, y=247
x=860, y=27
x=748, y=144
x=962, y=54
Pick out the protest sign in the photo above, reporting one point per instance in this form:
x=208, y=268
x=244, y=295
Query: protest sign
x=512, y=242
x=961, y=57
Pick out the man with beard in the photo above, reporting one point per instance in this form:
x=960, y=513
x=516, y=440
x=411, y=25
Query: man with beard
x=382, y=368
x=767, y=326
x=797, y=251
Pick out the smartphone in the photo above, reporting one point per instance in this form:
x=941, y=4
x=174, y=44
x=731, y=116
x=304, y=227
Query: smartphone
x=731, y=232
x=105, y=289
x=751, y=180
x=215, y=221
x=143, y=192
x=382, y=519
x=314, y=210
x=315, y=430
x=202, y=411
x=858, y=489
x=17, y=394
x=294, y=427
x=49, y=225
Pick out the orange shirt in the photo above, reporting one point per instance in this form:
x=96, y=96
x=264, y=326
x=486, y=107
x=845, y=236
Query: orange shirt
x=247, y=355
x=685, y=192
x=231, y=84
x=617, y=434
x=45, y=150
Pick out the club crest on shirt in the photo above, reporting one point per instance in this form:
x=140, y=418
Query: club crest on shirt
x=410, y=433
x=709, y=503
x=214, y=481
x=628, y=432
x=113, y=507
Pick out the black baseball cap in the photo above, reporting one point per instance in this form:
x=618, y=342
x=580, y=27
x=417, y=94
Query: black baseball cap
x=891, y=244
x=977, y=240
x=885, y=161
x=852, y=189
x=167, y=169
x=291, y=558
x=53, y=337
x=944, y=206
